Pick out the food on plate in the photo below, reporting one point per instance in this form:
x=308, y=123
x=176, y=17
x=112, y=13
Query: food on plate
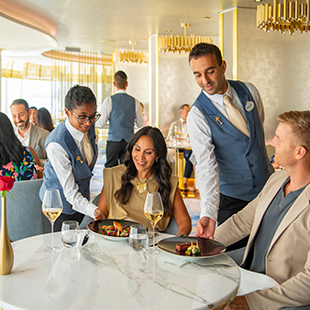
x=116, y=230
x=188, y=248
x=182, y=246
x=193, y=249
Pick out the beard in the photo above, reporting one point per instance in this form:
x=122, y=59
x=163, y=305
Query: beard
x=24, y=126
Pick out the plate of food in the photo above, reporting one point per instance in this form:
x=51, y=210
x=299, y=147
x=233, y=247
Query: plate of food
x=112, y=229
x=191, y=248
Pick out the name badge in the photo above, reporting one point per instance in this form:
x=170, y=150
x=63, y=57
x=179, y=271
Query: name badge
x=249, y=106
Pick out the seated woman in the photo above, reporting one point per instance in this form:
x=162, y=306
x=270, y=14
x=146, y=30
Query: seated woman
x=145, y=169
x=44, y=119
x=15, y=160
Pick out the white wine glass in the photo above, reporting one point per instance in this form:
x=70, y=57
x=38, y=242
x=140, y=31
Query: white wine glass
x=154, y=211
x=52, y=208
x=70, y=233
x=177, y=132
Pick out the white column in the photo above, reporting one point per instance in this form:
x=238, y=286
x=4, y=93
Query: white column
x=153, y=80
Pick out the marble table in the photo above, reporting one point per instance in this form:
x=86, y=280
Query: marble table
x=106, y=274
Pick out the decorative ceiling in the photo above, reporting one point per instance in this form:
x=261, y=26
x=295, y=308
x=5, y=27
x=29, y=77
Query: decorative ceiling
x=35, y=26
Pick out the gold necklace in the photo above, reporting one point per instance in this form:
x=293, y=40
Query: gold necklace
x=141, y=187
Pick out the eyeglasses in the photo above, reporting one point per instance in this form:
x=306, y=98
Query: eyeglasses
x=82, y=119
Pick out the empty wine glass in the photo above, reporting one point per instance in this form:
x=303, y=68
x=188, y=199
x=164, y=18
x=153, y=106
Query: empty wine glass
x=70, y=233
x=52, y=208
x=154, y=211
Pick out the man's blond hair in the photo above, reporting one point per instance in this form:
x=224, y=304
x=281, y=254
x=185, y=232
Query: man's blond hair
x=300, y=124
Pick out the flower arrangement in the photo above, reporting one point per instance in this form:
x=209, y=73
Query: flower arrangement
x=6, y=184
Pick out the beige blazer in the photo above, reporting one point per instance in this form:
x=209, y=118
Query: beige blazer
x=37, y=140
x=288, y=257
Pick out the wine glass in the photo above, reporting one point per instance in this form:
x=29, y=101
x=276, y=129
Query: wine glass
x=52, y=208
x=154, y=211
x=177, y=132
x=70, y=233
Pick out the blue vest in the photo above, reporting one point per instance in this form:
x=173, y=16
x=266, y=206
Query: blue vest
x=81, y=171
x=122, y=117
x=243, y=163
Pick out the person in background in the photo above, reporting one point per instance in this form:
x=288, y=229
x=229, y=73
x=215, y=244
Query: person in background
x=33, y=115
x=225, y=125
x=44, y=119
x=27, y=133
x=145, y=118
x=182, y=127
x=72, y=153
x=16, y=160
x=122, y=111
x=145, y=169
x=278, y=223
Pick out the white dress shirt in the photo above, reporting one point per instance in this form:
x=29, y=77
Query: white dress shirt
x=24, y=140
x=106, y=109
x=62, y=165
x=207, y=173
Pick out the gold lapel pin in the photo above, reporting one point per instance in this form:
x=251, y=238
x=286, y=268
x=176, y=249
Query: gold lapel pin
x=218, y=119
x=79, y=159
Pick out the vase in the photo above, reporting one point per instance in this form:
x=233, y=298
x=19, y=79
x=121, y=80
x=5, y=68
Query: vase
x=6, y=250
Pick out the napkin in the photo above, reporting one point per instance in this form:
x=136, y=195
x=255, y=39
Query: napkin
x=252, y=281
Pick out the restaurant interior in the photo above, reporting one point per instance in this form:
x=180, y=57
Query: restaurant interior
x=47, y=46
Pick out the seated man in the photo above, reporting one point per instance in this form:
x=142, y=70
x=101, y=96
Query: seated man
x=26, y=132
x=33, y=112
x=277, y=222
x=180, y=124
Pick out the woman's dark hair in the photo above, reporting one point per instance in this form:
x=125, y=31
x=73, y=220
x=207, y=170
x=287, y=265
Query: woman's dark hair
x=11, y=148
x=45, y=119
x=161, y=168
x=78, y=95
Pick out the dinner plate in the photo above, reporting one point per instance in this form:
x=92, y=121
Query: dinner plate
x=208, y=247
x=96, y=227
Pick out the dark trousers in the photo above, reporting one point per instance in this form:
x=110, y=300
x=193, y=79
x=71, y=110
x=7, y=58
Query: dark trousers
x=115, y=152
x=228, y=207
x=63, y=217
x=188, y=165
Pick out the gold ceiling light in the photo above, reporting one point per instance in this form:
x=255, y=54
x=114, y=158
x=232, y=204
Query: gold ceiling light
x=178, y=43
x=287, y=16
x=127, y=56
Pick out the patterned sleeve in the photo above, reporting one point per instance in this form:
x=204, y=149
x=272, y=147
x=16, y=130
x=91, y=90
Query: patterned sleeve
x=27, y=169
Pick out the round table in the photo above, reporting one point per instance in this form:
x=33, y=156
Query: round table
x=105, y=274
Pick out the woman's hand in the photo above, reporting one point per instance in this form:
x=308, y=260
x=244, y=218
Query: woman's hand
x=99, y=215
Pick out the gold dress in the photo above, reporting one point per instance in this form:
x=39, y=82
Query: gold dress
x=133, y=210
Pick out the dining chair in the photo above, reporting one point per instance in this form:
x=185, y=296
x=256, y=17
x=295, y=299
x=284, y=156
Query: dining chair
x=24, y=211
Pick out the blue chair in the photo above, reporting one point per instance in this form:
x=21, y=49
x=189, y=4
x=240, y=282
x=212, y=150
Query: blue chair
x=24, y=211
